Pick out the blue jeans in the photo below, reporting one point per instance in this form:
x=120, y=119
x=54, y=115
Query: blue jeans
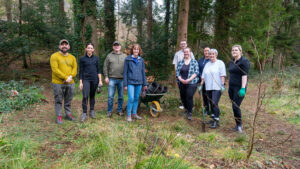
x=113, y=83
x=133, y=98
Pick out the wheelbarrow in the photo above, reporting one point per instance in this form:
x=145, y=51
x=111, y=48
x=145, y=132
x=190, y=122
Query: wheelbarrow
x=152, y=102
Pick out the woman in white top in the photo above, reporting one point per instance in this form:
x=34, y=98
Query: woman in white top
x=213, y=75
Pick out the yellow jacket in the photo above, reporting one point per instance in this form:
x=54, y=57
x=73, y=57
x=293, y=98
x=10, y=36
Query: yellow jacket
x=62, y=67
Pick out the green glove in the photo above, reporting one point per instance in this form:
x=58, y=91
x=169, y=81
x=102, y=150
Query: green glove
x=242, y=92
x=200, y=88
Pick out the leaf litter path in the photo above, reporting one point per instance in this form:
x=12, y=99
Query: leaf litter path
x=275, y=136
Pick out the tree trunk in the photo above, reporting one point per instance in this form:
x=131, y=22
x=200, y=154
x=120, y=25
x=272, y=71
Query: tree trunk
x=167, y=23
x=139, y=17
x=90, y=31
x=182, y=22
x=149, y=20
x=110, y=28
x=61, y=6
x=25, y=65
x=8, y=10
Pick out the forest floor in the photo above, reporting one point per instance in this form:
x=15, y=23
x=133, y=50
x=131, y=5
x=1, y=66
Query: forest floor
x=169, y=141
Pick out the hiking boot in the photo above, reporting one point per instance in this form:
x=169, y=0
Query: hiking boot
x=109, y=114
x=120, y=113
x=92, y=114
x=210, y=121
x=189, y=117
x=137, y=117
x=129, y=119
x=240, y=129
x=235, y=128
x=59, y=120
x=215, y=125
x=83, y=117
x=70, y=117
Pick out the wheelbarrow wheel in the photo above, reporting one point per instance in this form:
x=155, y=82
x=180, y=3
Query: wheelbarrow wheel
x=154, y=109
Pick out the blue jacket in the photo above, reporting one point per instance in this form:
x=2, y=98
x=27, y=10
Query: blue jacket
x=134, y=72
x=202, y=62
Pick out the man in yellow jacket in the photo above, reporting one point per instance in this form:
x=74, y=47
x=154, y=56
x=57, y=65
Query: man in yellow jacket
x=64, y=69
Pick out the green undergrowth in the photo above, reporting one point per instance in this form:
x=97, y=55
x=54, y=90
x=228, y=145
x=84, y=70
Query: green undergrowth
x=17, y=96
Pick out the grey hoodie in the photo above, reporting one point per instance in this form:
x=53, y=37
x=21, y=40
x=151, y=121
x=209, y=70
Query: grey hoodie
x=114, y=65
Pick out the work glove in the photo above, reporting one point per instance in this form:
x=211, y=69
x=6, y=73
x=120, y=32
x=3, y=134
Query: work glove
x=200, y=88
x=242, y=92
x=223, y=88
x=99, y=89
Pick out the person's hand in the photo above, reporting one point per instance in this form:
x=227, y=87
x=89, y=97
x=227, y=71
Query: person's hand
x=106, y=80
x=80, y=85
x=100, y=83
x=242, y=92
x=145, y=88
x=69, y=79
x=223, y=88
x=125, y=88
x=200, y=88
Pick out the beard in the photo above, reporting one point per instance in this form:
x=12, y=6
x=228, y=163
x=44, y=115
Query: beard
x=64, y=50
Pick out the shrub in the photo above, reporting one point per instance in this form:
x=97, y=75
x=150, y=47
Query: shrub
x=15, y=96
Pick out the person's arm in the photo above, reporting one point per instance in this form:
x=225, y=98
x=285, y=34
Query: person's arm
x=74, y=67
x=80, y=73
x=125, y=74
x=100, y=79
x=192, y=77
x=56, y=70
x=105, y=69
x=244, y=81
x=144, y=75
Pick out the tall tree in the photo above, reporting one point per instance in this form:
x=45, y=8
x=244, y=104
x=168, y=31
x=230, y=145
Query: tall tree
x=8, y=5
x=90, y=33
x=167, y=23
x=110, y=28
x=182, y=21
x=138, y=10
x=61, y=6
x=149, y=20
x=225, y=10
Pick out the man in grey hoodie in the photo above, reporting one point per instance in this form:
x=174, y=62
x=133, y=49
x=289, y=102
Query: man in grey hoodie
x=113, y=73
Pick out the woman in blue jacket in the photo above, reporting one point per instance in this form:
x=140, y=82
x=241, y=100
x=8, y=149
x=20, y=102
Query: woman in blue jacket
x=134, y=80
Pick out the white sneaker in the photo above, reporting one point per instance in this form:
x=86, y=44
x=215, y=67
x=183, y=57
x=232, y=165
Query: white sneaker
x=137, y=117
x=181, y=107
x=129, y=119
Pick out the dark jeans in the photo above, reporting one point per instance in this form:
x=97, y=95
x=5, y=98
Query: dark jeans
x=187, y=92
x=236, y=102
x=63, y=92
x=89, y=89
x=205, y=99
x=214, y=97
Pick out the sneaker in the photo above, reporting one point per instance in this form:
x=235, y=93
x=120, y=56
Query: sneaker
x=92, y=114
x=70, y=117
x=83, y=117
x=189, y=117
x=129, y=119
x=120, y=113
x=239, y=129
x=109, y=114
x=59, y=120
x=181, y=107
x=137, y=117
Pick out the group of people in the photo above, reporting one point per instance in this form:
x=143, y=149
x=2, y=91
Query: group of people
x=123, y=72
x=208, y=75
